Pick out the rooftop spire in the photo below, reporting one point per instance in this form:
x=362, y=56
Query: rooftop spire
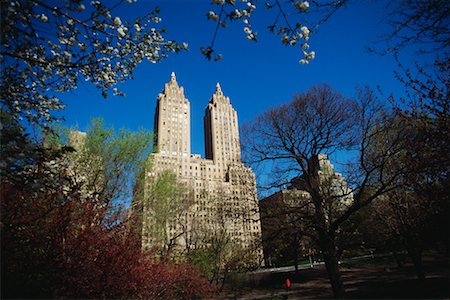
x=218, y=88
x=173, y=77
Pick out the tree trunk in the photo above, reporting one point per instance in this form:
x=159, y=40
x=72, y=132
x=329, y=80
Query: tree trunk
x=296, y=256
x=331, y=263
x=415, y=253
x=398, y=259
x=327, y=238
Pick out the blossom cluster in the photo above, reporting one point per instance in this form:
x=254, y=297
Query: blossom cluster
x=48, y=49
x=302, y=6
x=243, y=9
x=295, y=35
x=231, y=11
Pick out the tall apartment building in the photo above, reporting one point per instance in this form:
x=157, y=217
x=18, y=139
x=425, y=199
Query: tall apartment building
x=220, y=192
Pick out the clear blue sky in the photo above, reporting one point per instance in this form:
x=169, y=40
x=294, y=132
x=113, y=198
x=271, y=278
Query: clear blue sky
x=256, y=76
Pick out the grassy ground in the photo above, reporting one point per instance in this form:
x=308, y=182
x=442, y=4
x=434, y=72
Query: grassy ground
x=378, y=278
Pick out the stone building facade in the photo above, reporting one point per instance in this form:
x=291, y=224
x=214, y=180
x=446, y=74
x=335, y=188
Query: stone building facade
x=219, y=195
x=282, y=225
x=285, y=214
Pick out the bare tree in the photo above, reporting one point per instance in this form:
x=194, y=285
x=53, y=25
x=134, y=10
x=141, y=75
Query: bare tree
x=322, y=121
x=419, y=23
x=285, y=227
x=417, y=213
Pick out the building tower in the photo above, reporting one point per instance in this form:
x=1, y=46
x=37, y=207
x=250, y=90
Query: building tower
x=221, y=131
x=220, y=191
x=172, y=121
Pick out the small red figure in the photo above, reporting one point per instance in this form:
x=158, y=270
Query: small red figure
x=287, y=283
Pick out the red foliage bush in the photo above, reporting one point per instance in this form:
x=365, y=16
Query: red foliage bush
x=63, y=247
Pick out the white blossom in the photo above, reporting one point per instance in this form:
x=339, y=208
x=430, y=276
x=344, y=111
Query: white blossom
x=303, y=62
x=252, y=36
x=302, y=5
x=305, y=31
x=251, y=6
x=121, y=31
x=34, y=88
x=247, y=30
x=309, y=56
x=117, y=21
x=213, y=16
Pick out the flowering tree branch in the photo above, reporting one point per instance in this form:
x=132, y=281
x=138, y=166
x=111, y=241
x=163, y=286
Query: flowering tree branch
x=48, y=49
x=291, y=35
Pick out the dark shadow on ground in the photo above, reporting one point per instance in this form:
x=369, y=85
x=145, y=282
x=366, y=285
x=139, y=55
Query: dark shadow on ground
x=361, y=282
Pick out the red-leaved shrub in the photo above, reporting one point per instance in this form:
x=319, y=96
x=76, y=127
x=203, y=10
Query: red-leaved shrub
x=62, y=246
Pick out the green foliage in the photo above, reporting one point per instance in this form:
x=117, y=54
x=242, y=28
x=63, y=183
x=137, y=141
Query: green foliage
x=165, y=199
x=105, y=161
x=204, y=259
x=223, y=258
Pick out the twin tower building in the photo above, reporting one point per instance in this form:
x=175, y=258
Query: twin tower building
x=218, y=198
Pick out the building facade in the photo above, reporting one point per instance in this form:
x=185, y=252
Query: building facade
x=285, y=214
x=283, y=224
x=219, y=193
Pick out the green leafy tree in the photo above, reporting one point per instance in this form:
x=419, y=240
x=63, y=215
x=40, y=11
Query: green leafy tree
x=105, y=162
x=161, y=205
x=213, y=258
